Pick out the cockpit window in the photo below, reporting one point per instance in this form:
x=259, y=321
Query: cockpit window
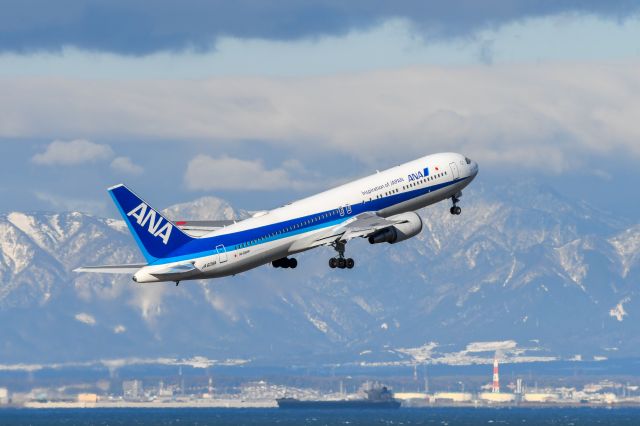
x=467, y=160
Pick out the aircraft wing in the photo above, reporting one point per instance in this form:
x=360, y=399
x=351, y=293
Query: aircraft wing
x=361, y=225
x=366, y=224
x=112, y=269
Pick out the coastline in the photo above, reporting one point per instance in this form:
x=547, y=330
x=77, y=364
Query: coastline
x=271, y=404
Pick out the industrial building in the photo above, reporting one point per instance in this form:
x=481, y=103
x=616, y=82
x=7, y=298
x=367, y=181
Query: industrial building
x=87, y=398
x=540, y=397
x=132, y=390
x=456, y=397
x=496, y=397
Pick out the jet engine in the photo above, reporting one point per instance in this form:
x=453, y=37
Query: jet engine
x=411, y=226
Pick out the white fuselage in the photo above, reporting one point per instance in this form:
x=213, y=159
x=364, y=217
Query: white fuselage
x=291, y=228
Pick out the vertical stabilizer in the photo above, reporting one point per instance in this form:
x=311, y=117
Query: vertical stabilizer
x=157, y=237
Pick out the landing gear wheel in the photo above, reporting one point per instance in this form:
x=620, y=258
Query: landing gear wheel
x=292, y=263
x=342, y=263
x=455, y=209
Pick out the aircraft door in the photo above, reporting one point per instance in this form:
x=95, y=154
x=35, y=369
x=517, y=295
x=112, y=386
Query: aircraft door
x=222, y=253
x=455, y=174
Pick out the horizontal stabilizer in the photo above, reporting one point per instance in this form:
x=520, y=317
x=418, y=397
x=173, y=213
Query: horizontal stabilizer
x=173, y=270
x=199, y=228
x=204, y=223
x=112, y=269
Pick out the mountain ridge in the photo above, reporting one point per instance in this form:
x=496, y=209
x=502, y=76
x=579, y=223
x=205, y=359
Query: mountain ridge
x=554, y=276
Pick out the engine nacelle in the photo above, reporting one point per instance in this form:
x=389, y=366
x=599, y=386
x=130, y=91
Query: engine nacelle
x=403, y=231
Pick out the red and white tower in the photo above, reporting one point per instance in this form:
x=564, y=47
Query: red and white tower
x=495, y=388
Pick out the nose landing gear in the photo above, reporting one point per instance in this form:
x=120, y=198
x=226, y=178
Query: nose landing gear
x=455, y=209
x=341, y=262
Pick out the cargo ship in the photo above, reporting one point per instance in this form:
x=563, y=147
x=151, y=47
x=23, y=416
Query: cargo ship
x=378, y=397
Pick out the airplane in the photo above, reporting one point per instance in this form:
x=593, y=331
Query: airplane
x=380, y=207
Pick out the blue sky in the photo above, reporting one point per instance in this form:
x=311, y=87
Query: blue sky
x=264, y=102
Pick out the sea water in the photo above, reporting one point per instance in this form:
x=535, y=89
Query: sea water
x=428, y=416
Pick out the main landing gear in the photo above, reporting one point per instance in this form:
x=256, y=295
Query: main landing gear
x=341, y=262
x=455, y=209
x=285, y=262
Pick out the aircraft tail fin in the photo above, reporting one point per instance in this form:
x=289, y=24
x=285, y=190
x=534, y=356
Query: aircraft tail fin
x=156, y=236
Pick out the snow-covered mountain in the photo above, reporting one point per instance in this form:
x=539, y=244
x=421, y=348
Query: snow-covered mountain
x=211, y=208
x=523, y=270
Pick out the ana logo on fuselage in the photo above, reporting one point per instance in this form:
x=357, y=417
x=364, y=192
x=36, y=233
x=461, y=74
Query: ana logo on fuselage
x=419, y=175
x=146, y=216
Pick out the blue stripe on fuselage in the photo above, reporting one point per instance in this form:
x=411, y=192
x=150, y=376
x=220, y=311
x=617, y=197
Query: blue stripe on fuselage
x=201, y=247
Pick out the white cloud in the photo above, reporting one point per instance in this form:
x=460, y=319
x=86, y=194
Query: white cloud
x=206, y=173
x=547, y=117
x=68, y=153
x=72, y=204
x=85, y=318
x=125, y=165
x=118, y=329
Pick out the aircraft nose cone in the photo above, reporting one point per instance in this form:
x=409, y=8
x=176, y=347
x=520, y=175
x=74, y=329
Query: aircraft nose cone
x=474, y=169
